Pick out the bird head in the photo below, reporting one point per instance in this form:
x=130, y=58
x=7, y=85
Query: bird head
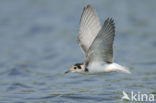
x=79, y=67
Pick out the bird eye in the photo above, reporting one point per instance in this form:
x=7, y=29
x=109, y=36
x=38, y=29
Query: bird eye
x=74, y=67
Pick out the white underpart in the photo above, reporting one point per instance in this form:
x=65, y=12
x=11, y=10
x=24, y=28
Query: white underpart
x=96, y=68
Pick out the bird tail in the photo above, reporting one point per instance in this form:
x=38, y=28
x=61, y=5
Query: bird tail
x=118, y=68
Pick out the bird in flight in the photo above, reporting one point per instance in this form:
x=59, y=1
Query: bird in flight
x=96, y=41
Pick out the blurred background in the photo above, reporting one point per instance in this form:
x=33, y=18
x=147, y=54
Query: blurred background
x=38, y=44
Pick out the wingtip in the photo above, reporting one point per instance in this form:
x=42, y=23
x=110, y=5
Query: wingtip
x=110, y=19
x=89, y=6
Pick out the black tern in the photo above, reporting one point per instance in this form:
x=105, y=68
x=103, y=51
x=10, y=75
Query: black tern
x=97, y=43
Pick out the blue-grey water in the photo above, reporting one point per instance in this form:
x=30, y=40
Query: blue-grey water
x=38, y=44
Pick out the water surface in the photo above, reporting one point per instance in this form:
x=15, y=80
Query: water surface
x=38, y=44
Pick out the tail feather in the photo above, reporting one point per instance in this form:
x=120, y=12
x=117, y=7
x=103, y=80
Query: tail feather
x=118, y=68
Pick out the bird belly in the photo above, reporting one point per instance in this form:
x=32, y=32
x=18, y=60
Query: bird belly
x=100, y=68
x=97, y=68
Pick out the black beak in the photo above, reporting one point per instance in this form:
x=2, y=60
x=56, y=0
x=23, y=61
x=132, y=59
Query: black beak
x=66, y=72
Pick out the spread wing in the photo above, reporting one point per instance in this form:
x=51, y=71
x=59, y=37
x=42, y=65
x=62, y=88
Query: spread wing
x=102, y=47
x=89, y=28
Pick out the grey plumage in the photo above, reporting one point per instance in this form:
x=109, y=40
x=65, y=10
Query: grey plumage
x=89, y=28
x=97, y=44
x=96, y=41
x=102, y=47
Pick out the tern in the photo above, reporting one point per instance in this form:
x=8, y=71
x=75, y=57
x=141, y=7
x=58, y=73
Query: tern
x=97, y=43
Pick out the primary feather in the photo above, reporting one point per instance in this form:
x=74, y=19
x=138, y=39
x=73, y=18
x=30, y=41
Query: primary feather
x=102, y=47
x=89, y=28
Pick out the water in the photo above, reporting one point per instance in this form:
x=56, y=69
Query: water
x=38, y=44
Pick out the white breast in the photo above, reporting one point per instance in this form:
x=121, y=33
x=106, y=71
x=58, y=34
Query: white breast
x=96, y=68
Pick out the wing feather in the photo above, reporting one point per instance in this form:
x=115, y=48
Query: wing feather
x=102, y=47
x=89, y=28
